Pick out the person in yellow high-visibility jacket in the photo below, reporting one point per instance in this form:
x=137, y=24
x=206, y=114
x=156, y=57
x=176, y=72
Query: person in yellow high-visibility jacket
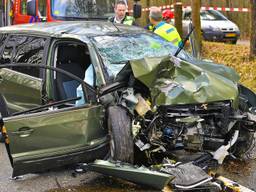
x=163, y=29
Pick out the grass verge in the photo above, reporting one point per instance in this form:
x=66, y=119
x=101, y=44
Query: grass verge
x=235, y=56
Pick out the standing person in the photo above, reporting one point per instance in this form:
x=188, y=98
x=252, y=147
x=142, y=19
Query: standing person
x=120, y=14
x=163, y=29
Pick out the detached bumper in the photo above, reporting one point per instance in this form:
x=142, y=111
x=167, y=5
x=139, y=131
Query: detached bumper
x=221, y=36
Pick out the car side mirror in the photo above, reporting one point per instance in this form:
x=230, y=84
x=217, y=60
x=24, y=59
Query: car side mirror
x=31, y=7
x=136, y=10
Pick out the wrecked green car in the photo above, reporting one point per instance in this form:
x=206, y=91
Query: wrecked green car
x=74, y=92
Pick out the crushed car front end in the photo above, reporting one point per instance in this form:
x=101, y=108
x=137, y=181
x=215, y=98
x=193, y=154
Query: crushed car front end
x=180, y=109
x=179, y=106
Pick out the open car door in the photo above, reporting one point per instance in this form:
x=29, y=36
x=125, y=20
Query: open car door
x=43, y=140
x=56, y=134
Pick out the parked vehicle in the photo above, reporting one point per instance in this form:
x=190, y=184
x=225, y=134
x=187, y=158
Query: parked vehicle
x=215, y=26
x=138, y=101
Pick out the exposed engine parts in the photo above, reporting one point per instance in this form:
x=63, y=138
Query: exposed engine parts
x=210, y=127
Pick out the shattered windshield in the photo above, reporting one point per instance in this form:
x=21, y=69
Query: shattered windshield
x=82, y=8
x=117, y=50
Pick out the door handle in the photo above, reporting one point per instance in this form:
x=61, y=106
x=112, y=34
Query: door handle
x=23, y=131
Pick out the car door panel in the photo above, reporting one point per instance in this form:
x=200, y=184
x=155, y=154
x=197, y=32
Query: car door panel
x=54, y=138
x=20, y=91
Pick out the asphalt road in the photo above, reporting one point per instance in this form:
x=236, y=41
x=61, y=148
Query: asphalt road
x=38, y=182
x=62, y=180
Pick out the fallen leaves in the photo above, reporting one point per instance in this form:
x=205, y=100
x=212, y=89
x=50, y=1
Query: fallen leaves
x=235, y=56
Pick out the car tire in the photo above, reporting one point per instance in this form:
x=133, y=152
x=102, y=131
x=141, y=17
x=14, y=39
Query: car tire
x=121, y=140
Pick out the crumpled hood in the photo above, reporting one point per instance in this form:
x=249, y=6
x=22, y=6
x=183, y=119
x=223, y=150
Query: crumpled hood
x=172, y=81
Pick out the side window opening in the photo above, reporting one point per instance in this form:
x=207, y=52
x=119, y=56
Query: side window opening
x=41, y=8
x=24, y=49
x=74, y=58
x=2, y=41
x=23, y=8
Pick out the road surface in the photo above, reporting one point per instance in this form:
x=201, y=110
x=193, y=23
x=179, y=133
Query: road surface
x=62, y=180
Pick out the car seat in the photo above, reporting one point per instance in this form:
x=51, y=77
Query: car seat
x=68, y=59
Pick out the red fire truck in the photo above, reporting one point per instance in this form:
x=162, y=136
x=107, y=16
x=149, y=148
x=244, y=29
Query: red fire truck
x=29, y=11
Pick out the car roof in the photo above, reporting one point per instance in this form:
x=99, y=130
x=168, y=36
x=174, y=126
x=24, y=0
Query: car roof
x=83, y=28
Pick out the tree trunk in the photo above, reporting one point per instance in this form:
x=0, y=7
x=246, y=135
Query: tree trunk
x=178, y=16
x=253, y=29
x=196, y=6
x=228, y=5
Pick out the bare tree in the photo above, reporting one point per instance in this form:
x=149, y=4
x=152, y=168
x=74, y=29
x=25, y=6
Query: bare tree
x=253, y=29
x=196, y=6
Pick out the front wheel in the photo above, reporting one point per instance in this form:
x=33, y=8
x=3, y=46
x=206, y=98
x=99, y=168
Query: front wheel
x=121, y=142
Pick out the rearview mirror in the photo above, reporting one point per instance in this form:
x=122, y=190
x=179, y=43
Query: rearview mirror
x=136, y=10
x=31, y=7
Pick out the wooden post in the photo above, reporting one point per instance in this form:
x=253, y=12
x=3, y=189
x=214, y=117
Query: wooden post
x=178, y=16
x=196, y=6
x=253, y=29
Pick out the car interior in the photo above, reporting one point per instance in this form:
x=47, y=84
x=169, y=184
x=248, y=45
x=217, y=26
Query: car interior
x=73, y=58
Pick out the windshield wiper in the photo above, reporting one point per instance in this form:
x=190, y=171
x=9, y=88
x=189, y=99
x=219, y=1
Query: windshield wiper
x=184, y=42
